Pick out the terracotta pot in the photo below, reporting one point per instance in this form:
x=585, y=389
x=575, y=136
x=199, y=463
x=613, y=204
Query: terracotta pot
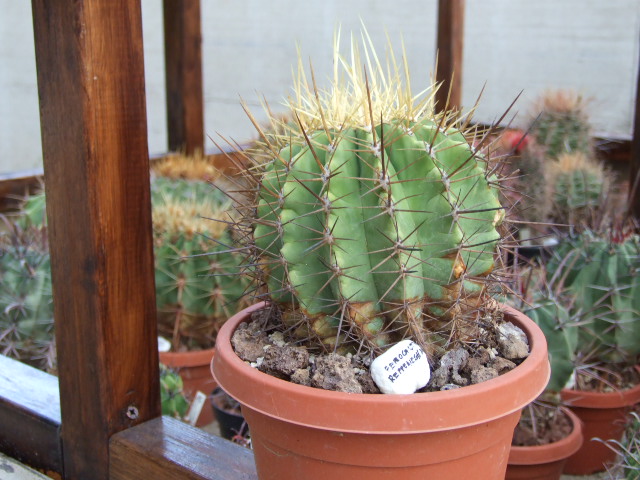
x=302, y=432
x=194, y=368
x=603, y=416
x=545, y=462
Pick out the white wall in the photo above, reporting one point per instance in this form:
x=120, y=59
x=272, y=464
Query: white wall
x=249, y=48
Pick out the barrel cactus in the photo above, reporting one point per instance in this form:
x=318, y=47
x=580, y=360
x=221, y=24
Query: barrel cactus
x=602, y=273
x=26, y=300
x=562, y=124
x=197, y=281
x=375, y=218
x=186, y=167
x=579, y=189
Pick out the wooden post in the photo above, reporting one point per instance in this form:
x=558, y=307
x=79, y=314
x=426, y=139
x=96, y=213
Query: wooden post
x=183, y=64
x=450, y=50
x=89, y=59
x=634, y=164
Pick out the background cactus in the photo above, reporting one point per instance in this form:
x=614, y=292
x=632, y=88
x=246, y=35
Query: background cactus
x=602, y=273
x=172, y=399
x=195, y=292
x=552, y=316
x=562, y=124
x=197, y=281
x=26, y=300
x=579, y=189
x=375, y=218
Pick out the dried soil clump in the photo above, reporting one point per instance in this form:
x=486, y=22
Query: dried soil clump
x=259, y=342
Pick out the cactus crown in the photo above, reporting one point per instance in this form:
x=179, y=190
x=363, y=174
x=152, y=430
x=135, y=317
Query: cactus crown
x=375, y=218
x=562, y=124
x=187, y=167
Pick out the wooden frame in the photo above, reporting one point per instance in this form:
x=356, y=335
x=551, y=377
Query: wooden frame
x=450, y=45
x=101, y=420
x=183, y=66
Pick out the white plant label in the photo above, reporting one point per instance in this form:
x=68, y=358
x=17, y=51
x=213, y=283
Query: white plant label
x=196, y=408
x=402, y=369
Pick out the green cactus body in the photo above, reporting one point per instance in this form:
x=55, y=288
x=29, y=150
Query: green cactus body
x=195, y=291
x=26, y=304
x=579, y=186
x=562, y=125
x=562, y=338
x=197, y=281
x=172, y=399
x=604, y=277
x=368, y=234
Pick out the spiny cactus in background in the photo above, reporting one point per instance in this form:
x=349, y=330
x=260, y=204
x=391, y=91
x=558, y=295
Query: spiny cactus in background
x=197, y=281
x=579, y=188
x=562, y=124
x=534, y=204
x=33, y=212
x=602, y=274
x=375, y=218
x=186, y=167
x=553, y=317
x=172, y=399
x=627, y=466
x=26, y=300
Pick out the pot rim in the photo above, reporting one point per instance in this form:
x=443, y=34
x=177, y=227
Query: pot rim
x=190, y=358
x=551, y=452
x=615, y=399
x=384, y=414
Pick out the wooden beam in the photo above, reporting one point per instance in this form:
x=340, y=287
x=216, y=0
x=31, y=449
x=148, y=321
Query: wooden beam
x=183, y=65
x=634, y=164
x=166, y=449
x=89, y=60
x=450, y=47
x=30, y=416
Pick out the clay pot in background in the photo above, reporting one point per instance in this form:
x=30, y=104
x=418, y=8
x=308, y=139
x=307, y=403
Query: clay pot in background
x=545, y=462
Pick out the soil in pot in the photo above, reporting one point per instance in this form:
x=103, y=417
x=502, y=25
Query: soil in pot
x=543, y=440
x=263, y=345
x=541, y=424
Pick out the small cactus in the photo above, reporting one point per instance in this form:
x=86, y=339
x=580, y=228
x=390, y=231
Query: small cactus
x=578, y=189
x=375, y=218
x=172, y=398
x=562, y=124
x=186, y=167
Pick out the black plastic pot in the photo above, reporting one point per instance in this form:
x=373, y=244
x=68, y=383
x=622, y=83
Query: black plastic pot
x=230, y=422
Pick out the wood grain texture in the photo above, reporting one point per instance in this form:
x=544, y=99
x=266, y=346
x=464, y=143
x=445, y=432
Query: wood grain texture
x=166, y=449
x=92, y=107
x=183, y=66
x=450, y=47
x=30, y=416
